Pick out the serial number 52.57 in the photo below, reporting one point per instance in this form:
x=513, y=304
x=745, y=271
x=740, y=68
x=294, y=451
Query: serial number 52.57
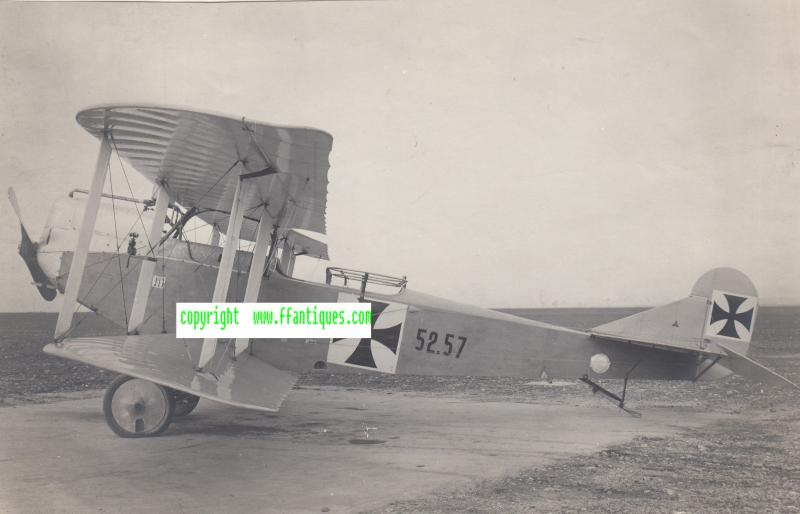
x=427, y=340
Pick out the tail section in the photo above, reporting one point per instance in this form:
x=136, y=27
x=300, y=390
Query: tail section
x=715, y=322
x=721, y=307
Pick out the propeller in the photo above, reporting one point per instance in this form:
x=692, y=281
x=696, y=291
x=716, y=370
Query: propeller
x=28, y=250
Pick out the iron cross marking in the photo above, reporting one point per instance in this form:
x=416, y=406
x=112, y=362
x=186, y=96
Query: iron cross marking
x=730, y=317
x=388, y=337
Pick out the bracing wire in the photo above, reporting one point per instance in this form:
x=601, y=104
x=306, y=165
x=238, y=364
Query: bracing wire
x=116, y=235
x=218, y=180
x=163, y=292
x=138, y=213
x=107, y=262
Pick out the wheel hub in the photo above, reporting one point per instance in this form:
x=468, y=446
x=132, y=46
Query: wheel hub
x=139, y=406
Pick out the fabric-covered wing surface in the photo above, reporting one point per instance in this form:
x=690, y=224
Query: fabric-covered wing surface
x=199, y=157
x=245, y=382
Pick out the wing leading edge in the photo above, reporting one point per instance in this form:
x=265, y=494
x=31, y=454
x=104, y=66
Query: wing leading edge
x=245, y=382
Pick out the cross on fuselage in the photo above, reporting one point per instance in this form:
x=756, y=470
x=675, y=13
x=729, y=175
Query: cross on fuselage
x=388, y=337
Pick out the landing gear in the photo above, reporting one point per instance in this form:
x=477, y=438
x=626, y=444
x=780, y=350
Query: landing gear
x=184, y=402
x=137, y=408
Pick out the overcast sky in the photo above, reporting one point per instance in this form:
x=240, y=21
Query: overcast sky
x=506, y=154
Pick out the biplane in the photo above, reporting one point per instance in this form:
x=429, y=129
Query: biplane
x=265, y=186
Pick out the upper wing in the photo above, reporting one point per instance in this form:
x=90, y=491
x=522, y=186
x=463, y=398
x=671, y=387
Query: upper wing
x=198, y=158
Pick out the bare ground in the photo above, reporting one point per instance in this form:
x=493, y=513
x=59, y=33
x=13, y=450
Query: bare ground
x=749, y=463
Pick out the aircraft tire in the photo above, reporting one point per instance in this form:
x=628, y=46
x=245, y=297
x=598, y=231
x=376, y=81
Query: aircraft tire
x=184, y=402
x=134, y=407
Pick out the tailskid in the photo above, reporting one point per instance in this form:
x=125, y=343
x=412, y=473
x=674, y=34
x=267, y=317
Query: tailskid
x=618, y=399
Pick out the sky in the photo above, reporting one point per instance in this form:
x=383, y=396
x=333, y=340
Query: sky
x=504, y=154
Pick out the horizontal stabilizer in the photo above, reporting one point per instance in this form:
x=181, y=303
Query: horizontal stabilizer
x=748, y=368
x=679, y=346
x=245, y=382
x=677, y=325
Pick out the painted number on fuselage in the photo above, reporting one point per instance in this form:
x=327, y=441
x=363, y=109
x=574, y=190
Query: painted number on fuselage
x=159, y=281
x=427, y=340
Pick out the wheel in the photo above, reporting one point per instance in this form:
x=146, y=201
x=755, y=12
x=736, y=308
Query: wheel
x=184, y=402
x=137, y=408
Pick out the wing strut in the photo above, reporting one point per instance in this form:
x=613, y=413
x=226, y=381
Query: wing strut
x=288, y=257
x=84, y=240
x=145, y=281
x=257, y=264
x=225, y=266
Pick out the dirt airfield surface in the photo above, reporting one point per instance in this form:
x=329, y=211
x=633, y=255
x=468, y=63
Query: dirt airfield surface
x=447, y=444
